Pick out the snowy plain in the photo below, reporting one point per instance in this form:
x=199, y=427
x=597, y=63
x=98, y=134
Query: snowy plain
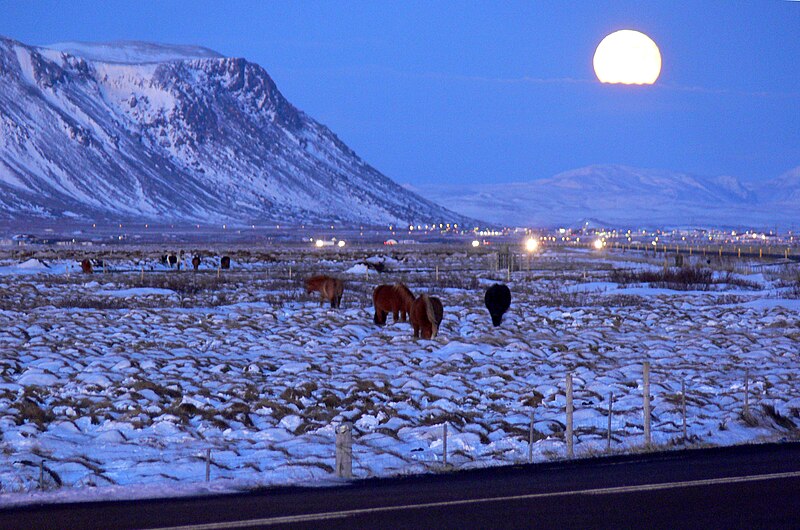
x=116, y=385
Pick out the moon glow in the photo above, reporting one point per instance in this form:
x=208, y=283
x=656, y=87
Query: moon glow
x=627, y=57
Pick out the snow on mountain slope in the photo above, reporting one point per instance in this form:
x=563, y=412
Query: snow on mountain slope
x=620, y=195
x=129, y=52
x=200, y=138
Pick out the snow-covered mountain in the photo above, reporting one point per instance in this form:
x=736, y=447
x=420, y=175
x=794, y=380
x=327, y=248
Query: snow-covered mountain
x=139, y=130
x=626, y=196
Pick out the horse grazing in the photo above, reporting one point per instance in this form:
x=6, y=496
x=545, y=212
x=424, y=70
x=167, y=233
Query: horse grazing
x=426, y=316
x=225, y=263
x=498, y=300
x=395, y=299
x=196, y=262
x=329, y=288
x=86, y=266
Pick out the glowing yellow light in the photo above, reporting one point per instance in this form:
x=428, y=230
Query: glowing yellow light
x=531, y=244
x=340, y=244
x=476, y=243
x=628, y=57
x=319, y=243
x=598, y=244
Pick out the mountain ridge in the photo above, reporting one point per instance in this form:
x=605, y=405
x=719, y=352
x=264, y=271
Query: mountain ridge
x=209, y=138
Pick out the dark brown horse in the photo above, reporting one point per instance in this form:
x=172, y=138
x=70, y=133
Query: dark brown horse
x=329, y=288
x=427, y=313
x=395, y=299
x=225, y=263
x=196, y=262
x=86, y=266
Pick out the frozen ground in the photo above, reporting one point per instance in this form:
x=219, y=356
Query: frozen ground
x=121, y=382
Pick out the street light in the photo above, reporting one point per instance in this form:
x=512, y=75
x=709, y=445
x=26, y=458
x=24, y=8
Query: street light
x=598, y=244
x=532, y=245
x=476, y=244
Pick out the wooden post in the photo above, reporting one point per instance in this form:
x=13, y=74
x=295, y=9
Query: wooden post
x=41, y=474
x=290, y=272
x=437, y=274
x=208, y=465
x=344, y=450
x=747, y=391
x=141, y=279
x=444, y=444
x=646, y=395
x=610, y=412
x=568, y=434
x=219, y=271
x=530, y=438
x=683, y=407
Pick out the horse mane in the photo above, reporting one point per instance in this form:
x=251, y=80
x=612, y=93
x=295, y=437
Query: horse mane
x=403, y=290
x=430, y=314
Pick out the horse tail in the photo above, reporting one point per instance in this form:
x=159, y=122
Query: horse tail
x=431, y=315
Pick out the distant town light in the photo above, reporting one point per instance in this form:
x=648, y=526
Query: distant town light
x=598, y=244
x=531, y=244
x=319, y=243
x=340, y=244
x=476, y=243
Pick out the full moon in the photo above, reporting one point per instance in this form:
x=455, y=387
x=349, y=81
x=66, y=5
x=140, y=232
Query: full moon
x=628, y=57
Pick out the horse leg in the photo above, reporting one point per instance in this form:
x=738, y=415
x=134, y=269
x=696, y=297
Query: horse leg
x=416, y=331
x=395, y=318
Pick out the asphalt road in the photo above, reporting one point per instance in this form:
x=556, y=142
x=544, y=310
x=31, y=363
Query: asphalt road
x=754, y=486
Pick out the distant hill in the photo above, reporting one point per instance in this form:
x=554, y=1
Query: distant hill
x=627, y=196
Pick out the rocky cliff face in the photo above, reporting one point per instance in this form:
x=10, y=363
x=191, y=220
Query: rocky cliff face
x=134, y=130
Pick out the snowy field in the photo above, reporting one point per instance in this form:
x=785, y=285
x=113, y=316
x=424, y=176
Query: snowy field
x=116, y=385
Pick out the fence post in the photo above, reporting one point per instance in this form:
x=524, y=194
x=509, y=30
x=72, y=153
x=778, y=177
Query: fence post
x=344, y=450
x=41, y=474
x=437, y=274
x=290, y=272
x=610, y=412
x=530, y=438
x=747, y=392
x=646, y=395
x=444, y=444
x=570, y=449
x=208, y=465
x=683, y=407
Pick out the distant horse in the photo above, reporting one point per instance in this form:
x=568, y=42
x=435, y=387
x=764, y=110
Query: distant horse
x=498, y=300
x=426, y=316
x=86, y=266
x=196, y=262
x=225, y=262
x=395, y=299
x=329, y=288
x=170, y=260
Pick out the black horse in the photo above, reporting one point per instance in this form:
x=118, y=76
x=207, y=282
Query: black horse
x=498, y=300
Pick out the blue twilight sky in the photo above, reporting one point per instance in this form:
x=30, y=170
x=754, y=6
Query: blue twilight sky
x=452, y=92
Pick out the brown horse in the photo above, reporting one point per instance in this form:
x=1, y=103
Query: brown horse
x=196, y=262
x=426, y=316
x=395, y=299
x=86, y=266
x=329, y=288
